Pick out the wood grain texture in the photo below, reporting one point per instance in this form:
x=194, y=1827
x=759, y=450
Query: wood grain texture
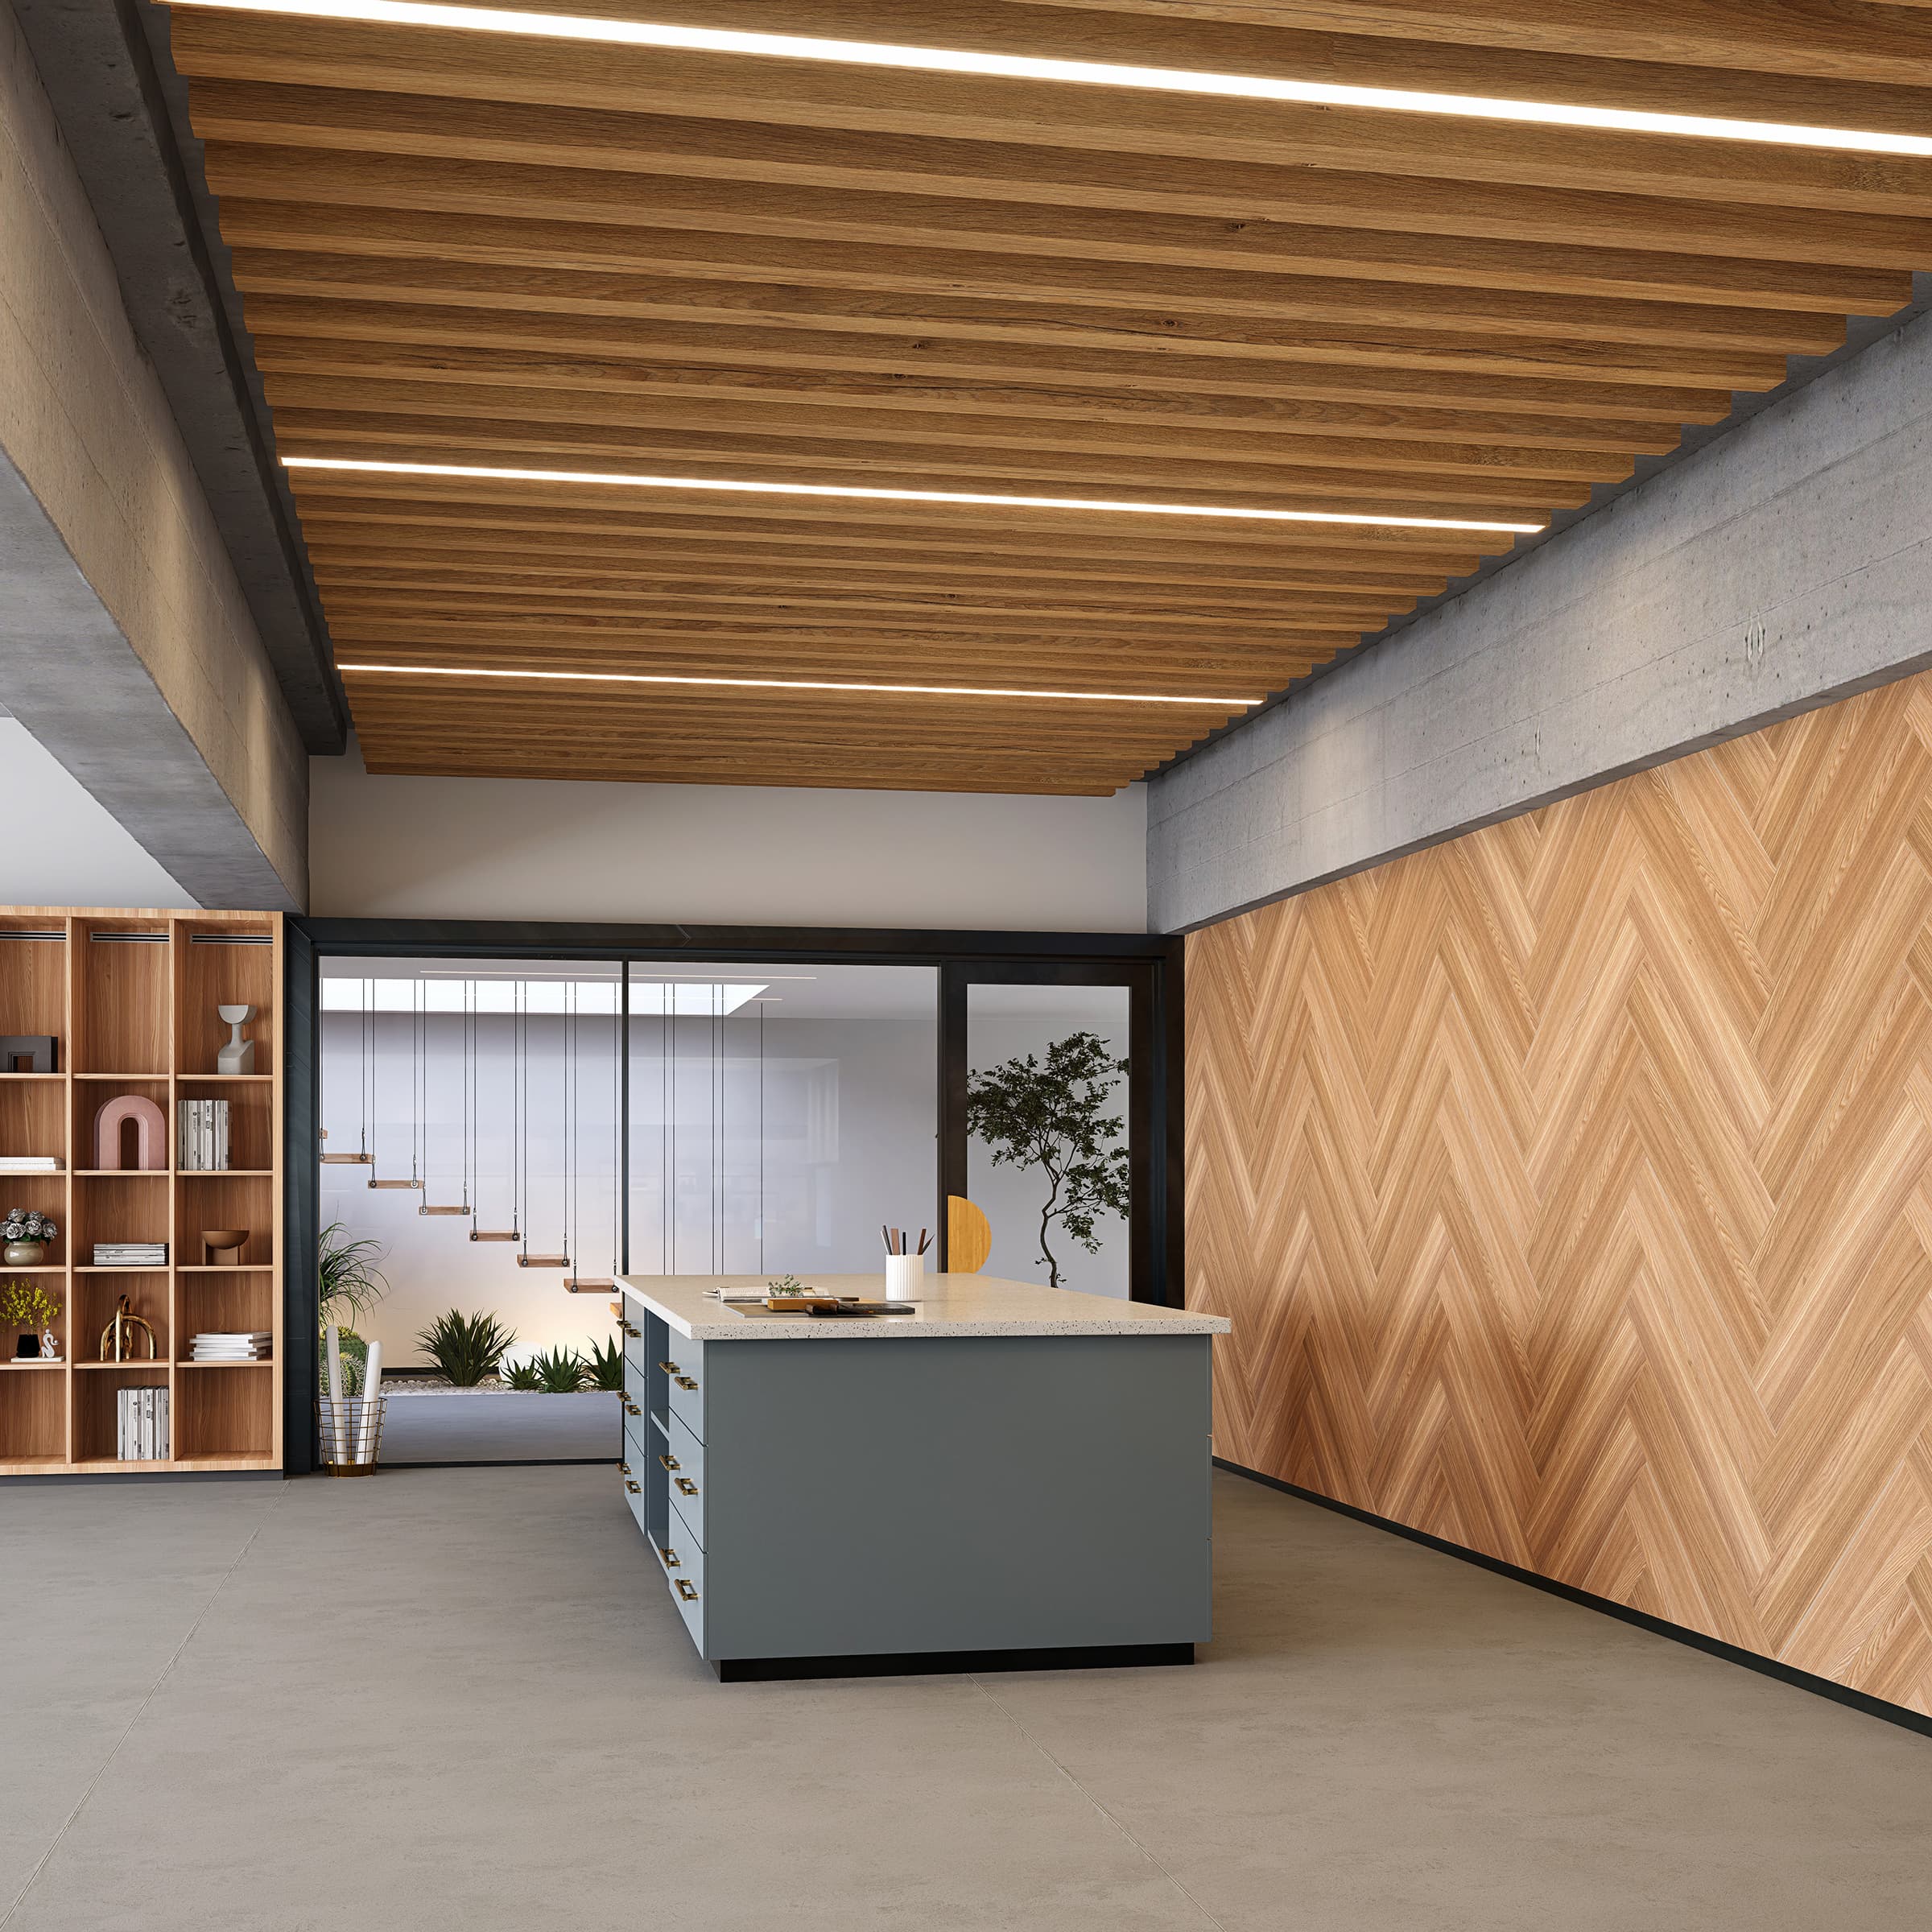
x=508, y=252
x=1569, y=1185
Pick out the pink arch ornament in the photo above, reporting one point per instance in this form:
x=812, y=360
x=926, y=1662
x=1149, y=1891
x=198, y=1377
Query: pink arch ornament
x=151, y=1133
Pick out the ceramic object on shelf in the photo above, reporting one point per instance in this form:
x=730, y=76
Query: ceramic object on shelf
x=225, y=1244
x=238, y=1055
x=150, y=1133
x=26, y=1233
x=50, y=1348
x=27, y=1348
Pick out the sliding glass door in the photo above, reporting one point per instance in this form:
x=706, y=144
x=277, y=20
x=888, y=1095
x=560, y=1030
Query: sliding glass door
x=778, y=1115
x=1054, y=1125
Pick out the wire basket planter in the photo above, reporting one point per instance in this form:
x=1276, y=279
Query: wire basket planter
x=351, y=1433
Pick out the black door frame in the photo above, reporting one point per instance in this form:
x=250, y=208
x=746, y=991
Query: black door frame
x=1150, y=965
x=1153, y=1141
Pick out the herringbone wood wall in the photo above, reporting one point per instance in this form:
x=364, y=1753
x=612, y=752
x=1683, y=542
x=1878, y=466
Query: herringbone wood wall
x=1570, y=1187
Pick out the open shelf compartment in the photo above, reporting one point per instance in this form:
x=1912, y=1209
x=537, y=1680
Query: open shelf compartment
x=96, y=1415
x=224, y=963
x=123, y=980
x=210, y=1202
x=33, y=1414
x=224, y=1413
x=93, y=1301
x=33, y=985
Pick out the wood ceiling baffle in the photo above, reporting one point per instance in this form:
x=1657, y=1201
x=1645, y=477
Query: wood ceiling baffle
x=506, y=252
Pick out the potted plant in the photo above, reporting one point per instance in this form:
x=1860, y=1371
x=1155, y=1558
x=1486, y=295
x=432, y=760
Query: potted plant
x=350, y=1286
x=30, y=1309
x=27, y=1234
x=1049, y=1115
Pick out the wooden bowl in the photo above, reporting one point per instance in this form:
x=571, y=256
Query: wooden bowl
x=218, y=1240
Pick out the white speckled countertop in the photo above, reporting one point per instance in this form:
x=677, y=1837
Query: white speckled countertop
x=944, y=1305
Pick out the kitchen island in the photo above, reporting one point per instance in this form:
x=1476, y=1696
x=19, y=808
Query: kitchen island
x=1009, y=1476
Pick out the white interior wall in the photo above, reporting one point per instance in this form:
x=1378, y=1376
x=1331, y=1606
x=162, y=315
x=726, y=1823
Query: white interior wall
x=722, y=855
x=63, y=846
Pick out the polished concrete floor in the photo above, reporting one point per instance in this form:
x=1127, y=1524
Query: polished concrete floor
x=459, y=1698
x=484, y=1426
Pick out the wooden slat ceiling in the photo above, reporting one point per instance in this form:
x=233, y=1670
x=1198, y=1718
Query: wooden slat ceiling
x=465, y=248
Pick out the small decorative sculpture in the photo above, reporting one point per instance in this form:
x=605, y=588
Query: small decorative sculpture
x=223, y=1245
x=151, y=1133
x=117, y=1337
x=238, y=1055
x=28, y=1306
x=38, y=1051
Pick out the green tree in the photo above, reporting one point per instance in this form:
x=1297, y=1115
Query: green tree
x=1049, y=1113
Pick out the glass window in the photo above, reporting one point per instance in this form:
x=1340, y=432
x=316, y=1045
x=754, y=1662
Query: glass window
x=779, y=1116
x=1036, y=1207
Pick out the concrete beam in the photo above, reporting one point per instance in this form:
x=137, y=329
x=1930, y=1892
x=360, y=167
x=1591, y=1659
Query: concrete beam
x=126, y=645
x=122, y=113
x=74, y=681
x=1783, y=566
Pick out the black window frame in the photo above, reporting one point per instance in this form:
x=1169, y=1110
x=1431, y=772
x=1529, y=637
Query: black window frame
x=1150, y=965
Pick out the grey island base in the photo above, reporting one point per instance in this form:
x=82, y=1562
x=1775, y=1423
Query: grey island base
x=1010, y=1476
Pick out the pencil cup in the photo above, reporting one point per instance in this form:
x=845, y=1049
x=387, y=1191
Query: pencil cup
x=904, y=1275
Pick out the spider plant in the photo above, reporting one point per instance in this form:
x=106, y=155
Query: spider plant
x=351, y=1282
x=560, y=1373
x=466, y=1348
x=604, y=1364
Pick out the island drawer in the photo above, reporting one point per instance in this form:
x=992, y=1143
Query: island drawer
x=632, y=1401
x=687, y=1577
x=686, y=1469
x=641, y=1443
x=639, y=1356
x=637, y=1496
x=686, y=1385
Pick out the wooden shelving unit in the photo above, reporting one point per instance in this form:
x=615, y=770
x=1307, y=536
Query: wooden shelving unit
x=130, y=997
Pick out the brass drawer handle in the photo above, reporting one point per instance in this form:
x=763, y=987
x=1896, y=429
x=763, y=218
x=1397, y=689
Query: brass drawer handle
x=686, y=1486
x=687, y=1589
x=630, y=1408
x=670, y=1557
x=635, y=1488
x=684, y=1381
x=623, y=1468
x=669, y=1462
x=626, y=1327
x=668, y=1367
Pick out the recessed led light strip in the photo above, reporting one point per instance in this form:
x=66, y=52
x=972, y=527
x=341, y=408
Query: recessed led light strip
x=1091, y=73
x=922, y=690
x=891, y=496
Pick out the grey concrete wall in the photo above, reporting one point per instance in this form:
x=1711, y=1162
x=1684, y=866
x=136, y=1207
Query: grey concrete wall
x=125, y=644
x=1786, y=565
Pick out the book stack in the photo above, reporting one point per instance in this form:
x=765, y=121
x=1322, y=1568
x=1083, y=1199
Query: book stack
x=254, y=1346
x=30, y=1163
x=141, y=1425
x=202, y=1134
x=130, y=1254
